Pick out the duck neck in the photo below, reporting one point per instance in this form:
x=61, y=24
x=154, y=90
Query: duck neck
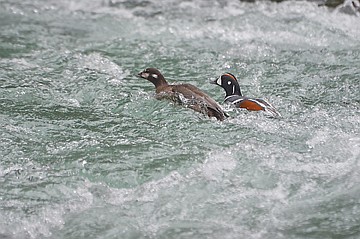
x=159, y=82
x=233, y=90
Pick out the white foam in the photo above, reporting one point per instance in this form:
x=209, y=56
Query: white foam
x=101, y=64
x=218, y=165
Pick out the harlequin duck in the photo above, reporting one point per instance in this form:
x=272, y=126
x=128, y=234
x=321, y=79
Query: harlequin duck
x=233, y=96
x=184, y=94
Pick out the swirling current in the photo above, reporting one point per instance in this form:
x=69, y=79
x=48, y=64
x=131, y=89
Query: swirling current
x=87, y=151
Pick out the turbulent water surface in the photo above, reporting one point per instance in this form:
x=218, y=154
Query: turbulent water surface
x=88, y=152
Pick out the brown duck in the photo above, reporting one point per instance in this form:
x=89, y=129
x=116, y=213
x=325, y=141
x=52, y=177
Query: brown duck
x=184, y=94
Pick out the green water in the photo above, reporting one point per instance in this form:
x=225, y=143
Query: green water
x=88, y=152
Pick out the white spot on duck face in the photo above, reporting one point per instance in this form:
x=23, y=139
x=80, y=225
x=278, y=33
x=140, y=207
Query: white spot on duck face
x=229, y=82
x=219, y=81
x=144, y=75
x=154, y=76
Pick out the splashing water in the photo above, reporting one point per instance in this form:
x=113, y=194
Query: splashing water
x=87, y=151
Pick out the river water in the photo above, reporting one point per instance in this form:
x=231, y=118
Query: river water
x=88, y=152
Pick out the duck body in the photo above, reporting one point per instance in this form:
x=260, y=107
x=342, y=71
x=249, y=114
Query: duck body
x=183, y=94
x=234, y=96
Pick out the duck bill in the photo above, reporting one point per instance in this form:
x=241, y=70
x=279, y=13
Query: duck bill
x=213, y=82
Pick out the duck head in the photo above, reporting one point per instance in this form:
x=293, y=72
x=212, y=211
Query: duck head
x=153, y=75
x=229, y=83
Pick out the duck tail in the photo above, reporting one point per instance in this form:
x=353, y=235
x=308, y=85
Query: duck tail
x=272, y=112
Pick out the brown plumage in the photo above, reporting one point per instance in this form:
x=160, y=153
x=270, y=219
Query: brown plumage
x=186, y=94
